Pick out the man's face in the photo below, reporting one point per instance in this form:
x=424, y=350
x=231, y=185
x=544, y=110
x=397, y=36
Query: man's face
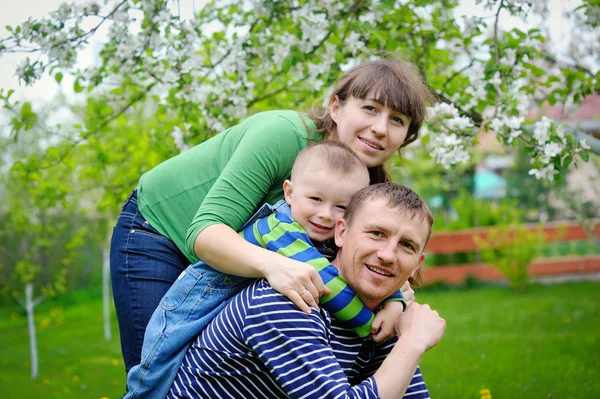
x=319, y=199
x=380, y=250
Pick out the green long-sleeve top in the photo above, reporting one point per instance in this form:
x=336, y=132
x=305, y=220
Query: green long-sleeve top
x=224, y=179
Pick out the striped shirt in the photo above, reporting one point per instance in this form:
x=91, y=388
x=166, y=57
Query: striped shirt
x=262, y=346
x=280, y=233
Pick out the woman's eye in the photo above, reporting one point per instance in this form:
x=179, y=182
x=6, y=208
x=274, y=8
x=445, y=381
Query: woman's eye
x=398, y=120
x=342, y=207
x=369, y=108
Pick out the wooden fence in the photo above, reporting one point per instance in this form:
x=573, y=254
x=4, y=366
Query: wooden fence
x=464, y=241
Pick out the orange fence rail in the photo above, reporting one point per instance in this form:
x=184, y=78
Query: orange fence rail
x=463, y=241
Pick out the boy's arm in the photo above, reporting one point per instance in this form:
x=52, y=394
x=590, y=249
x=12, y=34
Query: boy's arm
x=280, y=233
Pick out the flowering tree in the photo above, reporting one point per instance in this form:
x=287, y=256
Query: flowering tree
x=230, y=58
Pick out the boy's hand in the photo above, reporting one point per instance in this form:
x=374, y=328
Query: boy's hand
x=385, y=319
x=408, y=293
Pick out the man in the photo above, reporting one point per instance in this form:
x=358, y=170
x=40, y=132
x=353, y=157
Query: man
x=263, y=346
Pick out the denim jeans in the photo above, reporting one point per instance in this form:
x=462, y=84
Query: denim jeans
x=143, y=266
x=197, y=296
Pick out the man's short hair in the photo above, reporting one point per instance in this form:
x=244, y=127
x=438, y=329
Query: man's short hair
x=332, y=156
x=400, y=197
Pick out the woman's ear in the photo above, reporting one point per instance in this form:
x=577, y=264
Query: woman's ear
x=287, y=192
x=334, y=108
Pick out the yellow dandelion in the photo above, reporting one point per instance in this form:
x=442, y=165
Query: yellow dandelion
x=104, y=397
x=485, y=394
x=115, y=362
x=75, y=378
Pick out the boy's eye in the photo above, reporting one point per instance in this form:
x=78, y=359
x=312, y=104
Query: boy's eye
x=315, y=199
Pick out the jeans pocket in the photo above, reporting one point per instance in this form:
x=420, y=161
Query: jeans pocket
x=181, y=288
x=226, y=284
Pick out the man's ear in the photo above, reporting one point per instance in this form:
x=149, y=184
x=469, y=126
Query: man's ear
x=340, y=232
x=287, y=192
x=421, y=259
x=334, y=108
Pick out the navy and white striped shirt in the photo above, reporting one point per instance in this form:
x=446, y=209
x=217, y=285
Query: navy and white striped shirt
x=262, y=346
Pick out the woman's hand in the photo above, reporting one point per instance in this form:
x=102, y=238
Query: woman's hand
x=298, y=281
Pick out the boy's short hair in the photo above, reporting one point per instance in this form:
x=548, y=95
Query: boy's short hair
x=400, y=197
x=332, y=156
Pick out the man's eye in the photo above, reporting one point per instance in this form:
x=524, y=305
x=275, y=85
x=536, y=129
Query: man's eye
x=408, y=245
x=377, y=233
x=317, y=199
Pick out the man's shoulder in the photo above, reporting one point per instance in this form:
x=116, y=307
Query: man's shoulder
x=263, y=303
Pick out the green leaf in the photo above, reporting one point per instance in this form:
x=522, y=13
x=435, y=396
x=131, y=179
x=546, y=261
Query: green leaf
x=26, y=110
x=567, y=162
x=585, y=155
x=58, y=77
x=77, y=87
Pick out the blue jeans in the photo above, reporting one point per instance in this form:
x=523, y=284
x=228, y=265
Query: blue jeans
x=143, y=266
x=197, y=296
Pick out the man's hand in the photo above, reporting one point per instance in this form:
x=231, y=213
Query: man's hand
x=421, y=326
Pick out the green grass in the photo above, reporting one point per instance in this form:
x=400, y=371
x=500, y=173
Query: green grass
x=542, y=344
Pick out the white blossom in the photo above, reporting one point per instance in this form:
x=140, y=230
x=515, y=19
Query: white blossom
x=541, y=130
x=552, y=149
x=583, y=143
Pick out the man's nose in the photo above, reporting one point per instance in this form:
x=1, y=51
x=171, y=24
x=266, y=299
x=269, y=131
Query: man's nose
x=387, y=253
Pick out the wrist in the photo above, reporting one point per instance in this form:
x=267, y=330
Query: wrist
x=409, y=345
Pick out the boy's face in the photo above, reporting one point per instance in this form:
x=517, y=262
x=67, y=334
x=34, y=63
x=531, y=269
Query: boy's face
x=319, y=199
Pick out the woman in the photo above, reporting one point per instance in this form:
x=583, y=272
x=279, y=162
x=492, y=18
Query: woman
x=190, y=207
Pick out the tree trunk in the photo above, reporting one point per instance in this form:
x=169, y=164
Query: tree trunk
x=106, y=293
x=29, y=305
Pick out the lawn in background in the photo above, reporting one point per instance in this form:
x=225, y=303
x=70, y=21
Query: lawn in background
x=541, y=344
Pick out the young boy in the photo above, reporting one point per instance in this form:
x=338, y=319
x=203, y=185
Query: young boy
x=324, y=177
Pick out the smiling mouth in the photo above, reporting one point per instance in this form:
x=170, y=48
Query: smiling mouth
x=320, y=227
x=371, y=144
x=379, y=271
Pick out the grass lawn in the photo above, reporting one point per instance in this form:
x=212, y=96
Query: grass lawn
x=542, y=344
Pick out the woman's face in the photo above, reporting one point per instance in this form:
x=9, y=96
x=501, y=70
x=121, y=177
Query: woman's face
x=373, y=131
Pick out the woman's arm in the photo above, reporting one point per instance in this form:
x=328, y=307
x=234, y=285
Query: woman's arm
x=225, y=250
